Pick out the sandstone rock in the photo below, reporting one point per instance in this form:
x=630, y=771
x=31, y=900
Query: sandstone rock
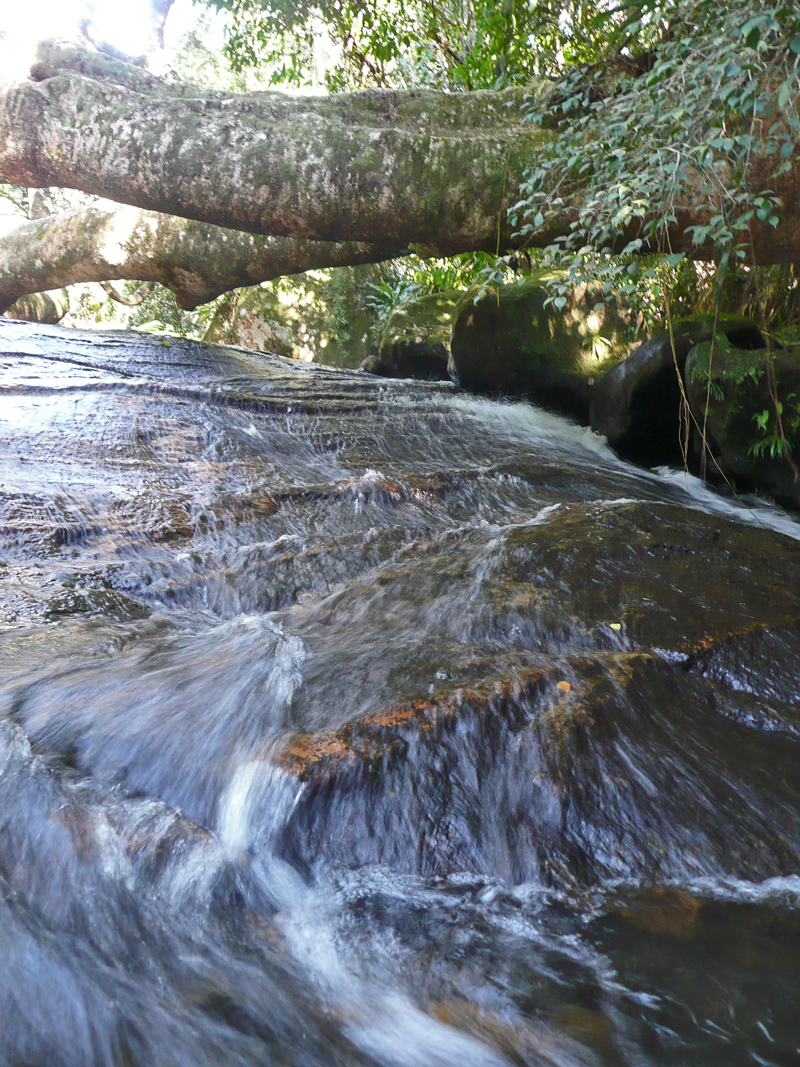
x=512, y=341
x=664, y=609
x=321, y=316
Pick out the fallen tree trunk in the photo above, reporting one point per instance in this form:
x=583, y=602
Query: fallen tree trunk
x=196, y=261
x=381, y=167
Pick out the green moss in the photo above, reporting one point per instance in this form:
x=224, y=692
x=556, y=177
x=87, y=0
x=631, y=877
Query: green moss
x=513, y=341
x=732, y=399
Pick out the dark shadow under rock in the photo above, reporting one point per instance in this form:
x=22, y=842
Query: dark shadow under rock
x=415, y=342
x=637, y=404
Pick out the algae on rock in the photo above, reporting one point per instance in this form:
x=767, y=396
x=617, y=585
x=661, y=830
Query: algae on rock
x=515, y=341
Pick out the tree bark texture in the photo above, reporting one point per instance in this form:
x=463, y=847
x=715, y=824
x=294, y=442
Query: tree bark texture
x=196, y=261
x=431, y=168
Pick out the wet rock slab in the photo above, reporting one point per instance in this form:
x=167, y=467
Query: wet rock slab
x=576, y=781
x=434, y=685
x=654, y=660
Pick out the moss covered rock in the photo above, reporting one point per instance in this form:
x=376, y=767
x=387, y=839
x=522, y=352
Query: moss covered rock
x=512, y=341
x=415, y=342
x=48, y=308
x=748, y=405
x=637, y=403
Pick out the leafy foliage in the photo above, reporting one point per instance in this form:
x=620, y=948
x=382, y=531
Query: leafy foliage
x=159, y=313
x=774, y=423
x=677, y=57
x=736, y=377
x=199, y=57
x=348, y=44
x=412, y=277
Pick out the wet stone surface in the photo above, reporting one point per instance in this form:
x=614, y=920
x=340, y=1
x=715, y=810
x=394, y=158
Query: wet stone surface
x=359, y=721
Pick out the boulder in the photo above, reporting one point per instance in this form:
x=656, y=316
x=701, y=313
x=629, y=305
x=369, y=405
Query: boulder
x=239, y=324
x=48, y=308
x=730, y=392
x=513, y=341
x=415, y=342
x=321, y=316
x=636, y=404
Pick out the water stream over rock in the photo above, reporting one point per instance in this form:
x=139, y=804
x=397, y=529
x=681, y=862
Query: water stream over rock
x=350, y=721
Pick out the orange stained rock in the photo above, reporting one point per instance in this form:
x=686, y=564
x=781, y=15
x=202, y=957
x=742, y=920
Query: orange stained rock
x=304, y=751
x=379, y=734
x=588, y=1026
x=665, y=911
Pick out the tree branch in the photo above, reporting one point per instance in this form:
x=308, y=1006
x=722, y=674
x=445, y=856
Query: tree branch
x=144, y=290
x=196, y=261
x=393, y=169
x=377, y=165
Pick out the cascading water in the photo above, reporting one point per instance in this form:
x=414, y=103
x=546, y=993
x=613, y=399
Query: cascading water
x=345, y=721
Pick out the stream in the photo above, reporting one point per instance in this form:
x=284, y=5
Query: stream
x=352, y=721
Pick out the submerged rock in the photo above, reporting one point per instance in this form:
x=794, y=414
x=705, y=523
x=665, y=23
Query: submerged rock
x=528, y=762
x=522, y=780
x=513, y=342
x=734, y=396
x=637, y=404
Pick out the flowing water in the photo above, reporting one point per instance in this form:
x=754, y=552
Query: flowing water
x=350, y=721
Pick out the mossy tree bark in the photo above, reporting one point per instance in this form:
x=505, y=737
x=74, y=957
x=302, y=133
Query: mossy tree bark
x=375, y=166
x=197, y=261
x=387, y=169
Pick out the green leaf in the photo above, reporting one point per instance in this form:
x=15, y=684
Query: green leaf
x=750, y=27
